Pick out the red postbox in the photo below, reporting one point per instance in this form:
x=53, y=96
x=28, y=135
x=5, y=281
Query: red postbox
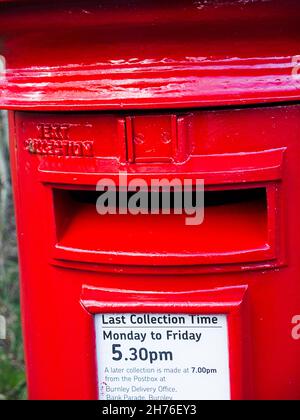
x=141, y=306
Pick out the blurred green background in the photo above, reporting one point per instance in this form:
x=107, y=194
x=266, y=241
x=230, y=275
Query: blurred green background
x=12, y=376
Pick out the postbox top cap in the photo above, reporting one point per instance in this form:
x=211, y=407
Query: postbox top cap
x=86, y=55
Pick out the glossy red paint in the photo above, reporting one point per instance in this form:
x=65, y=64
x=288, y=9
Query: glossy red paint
x=191, y=90
x=112, y=54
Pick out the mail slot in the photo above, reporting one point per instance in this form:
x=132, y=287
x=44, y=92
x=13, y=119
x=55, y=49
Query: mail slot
x=198, y=301
x=239, y=218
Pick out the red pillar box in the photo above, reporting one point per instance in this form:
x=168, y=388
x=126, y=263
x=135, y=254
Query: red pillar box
x=153, y=305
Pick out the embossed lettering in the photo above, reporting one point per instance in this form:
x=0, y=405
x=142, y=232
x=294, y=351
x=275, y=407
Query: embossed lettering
x=54, y=139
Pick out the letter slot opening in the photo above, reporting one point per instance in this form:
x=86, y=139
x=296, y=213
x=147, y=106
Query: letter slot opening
x=237, y=228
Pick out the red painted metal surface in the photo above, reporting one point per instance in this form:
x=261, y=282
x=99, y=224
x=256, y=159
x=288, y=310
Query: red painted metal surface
x=148, y=80
x=90, y=55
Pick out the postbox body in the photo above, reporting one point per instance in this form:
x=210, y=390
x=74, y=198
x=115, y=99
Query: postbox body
x=196, y=90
